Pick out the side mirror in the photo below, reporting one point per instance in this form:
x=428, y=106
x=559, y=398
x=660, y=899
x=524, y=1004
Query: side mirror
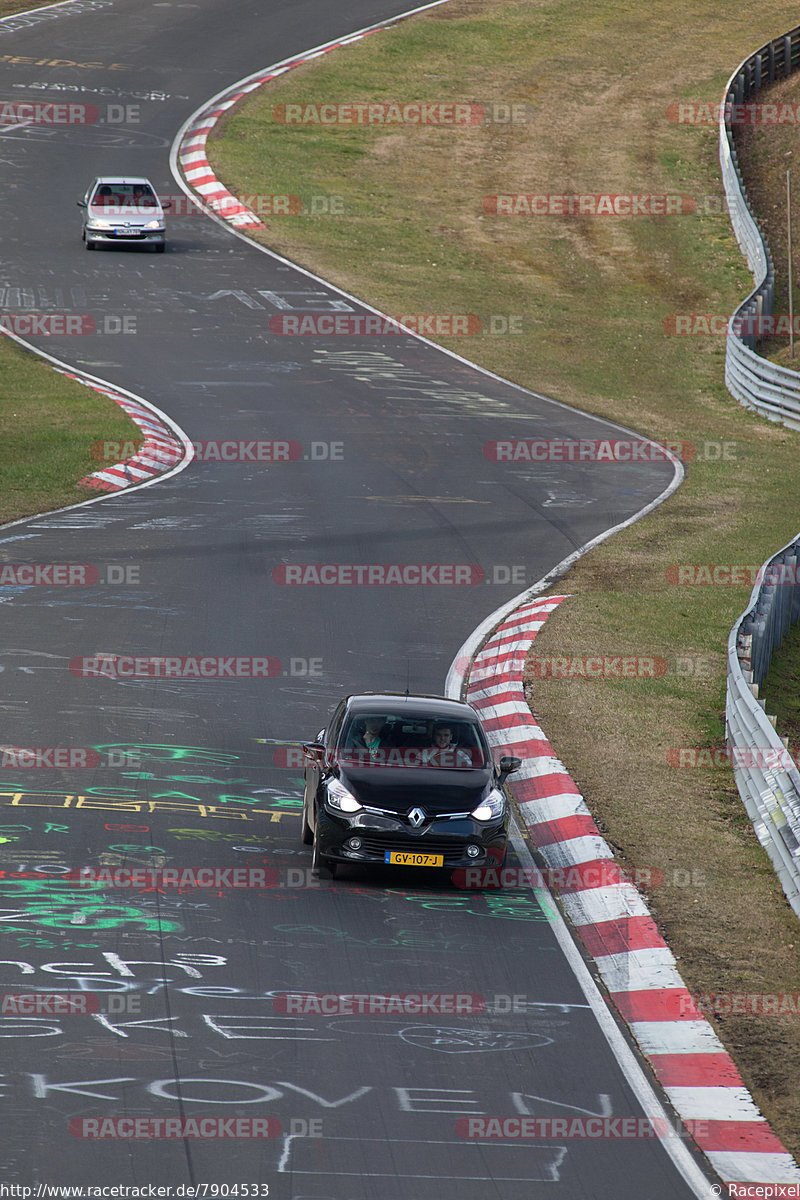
x=81, y=203
x=508, y=765
x=314, y=750
x=166, y=204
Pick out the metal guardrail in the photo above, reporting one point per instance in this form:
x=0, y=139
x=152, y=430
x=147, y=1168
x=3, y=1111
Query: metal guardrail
x=755, y=382
x=766, y=776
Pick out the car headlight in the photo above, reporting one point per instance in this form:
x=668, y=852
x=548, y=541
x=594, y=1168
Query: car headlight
x=491, y=808
x=154, y=225
x=339, y=798
x=96, y=223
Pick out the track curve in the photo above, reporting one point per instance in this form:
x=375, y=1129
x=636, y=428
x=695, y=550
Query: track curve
x=390, y=470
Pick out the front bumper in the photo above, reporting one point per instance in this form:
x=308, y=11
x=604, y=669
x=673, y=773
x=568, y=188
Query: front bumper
x=137, y=237
x=443, y=836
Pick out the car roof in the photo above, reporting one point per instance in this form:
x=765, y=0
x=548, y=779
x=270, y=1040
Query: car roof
x=439, y=707
x=122, y=179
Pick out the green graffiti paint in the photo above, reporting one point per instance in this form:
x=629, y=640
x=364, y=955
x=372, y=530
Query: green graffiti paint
x=50, y=904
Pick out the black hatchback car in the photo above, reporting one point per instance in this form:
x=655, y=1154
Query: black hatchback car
x=407, y=781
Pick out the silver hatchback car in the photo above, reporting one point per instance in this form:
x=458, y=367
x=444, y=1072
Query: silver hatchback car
x=121, y=210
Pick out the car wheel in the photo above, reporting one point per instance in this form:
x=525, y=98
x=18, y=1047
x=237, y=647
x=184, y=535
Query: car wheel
x=322, y=867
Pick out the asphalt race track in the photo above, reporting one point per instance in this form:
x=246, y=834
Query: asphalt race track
x=186, y=982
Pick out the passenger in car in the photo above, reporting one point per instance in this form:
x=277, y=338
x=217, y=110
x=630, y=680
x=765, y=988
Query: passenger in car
x=373, y=737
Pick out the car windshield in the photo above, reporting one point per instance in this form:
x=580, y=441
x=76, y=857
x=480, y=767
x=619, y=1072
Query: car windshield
x=399, y=740
x=124, y=195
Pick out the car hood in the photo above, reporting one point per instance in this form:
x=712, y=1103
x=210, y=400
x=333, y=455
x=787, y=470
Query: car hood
x=437, y=790
x=124, y=214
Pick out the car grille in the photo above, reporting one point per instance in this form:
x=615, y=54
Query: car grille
x=453, y=851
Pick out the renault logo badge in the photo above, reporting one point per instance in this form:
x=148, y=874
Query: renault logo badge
x=416, y=816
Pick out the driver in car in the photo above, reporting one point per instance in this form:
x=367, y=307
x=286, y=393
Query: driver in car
x=448, y=751
x=443, y=737
x=142, y=196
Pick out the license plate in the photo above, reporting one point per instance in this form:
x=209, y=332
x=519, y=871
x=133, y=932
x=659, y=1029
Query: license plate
x=403, y=858
x=127, y=232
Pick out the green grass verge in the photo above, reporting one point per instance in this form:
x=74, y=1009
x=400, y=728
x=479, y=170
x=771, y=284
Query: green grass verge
x=412, y=235
x=49, y=425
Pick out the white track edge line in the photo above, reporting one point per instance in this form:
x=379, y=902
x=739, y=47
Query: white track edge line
x=674, y=1145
